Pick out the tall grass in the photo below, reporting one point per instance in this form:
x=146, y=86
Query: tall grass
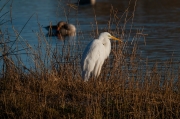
x=52, y=87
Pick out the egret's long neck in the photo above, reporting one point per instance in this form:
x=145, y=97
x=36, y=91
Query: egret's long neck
x=104, y=40
x=107, y=44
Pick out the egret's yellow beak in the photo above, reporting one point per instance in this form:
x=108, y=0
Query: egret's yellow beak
x=114, y=38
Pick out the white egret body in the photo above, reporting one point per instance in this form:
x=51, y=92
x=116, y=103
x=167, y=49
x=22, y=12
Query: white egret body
x=95, y=54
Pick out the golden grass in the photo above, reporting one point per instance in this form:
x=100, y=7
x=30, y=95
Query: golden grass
x=59, y=95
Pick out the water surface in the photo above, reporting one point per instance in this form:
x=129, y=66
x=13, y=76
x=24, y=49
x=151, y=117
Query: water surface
x=160, y=20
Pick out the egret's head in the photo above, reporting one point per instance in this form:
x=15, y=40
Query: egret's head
x=109, y=36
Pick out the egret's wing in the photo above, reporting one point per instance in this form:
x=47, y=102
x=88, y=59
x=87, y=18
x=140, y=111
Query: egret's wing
x=92, y=58
x=90, y=54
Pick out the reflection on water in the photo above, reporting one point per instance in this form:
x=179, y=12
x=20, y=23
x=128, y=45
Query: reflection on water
x=159, y=19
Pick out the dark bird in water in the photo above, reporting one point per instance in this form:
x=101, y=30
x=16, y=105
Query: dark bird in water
x=83, y=2
x=61, y=30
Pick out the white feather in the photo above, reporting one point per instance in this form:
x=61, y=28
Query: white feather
x=94, y=55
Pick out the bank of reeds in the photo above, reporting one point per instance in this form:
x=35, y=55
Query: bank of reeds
x=51, y=85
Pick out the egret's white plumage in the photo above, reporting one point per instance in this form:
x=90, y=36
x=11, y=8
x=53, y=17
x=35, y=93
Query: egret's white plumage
x=94, y=55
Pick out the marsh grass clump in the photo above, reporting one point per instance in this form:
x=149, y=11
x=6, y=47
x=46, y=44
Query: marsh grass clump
x=51, y=85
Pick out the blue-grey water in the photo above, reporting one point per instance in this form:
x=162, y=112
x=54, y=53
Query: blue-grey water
x=159, y=20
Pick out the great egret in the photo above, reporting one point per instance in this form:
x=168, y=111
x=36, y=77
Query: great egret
x=95, y=54
x=62, y=29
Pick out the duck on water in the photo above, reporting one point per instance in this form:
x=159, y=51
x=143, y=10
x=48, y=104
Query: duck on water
x=61, y=30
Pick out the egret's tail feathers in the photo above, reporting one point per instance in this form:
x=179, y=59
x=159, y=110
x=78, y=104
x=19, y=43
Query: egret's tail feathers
x=85, y=75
